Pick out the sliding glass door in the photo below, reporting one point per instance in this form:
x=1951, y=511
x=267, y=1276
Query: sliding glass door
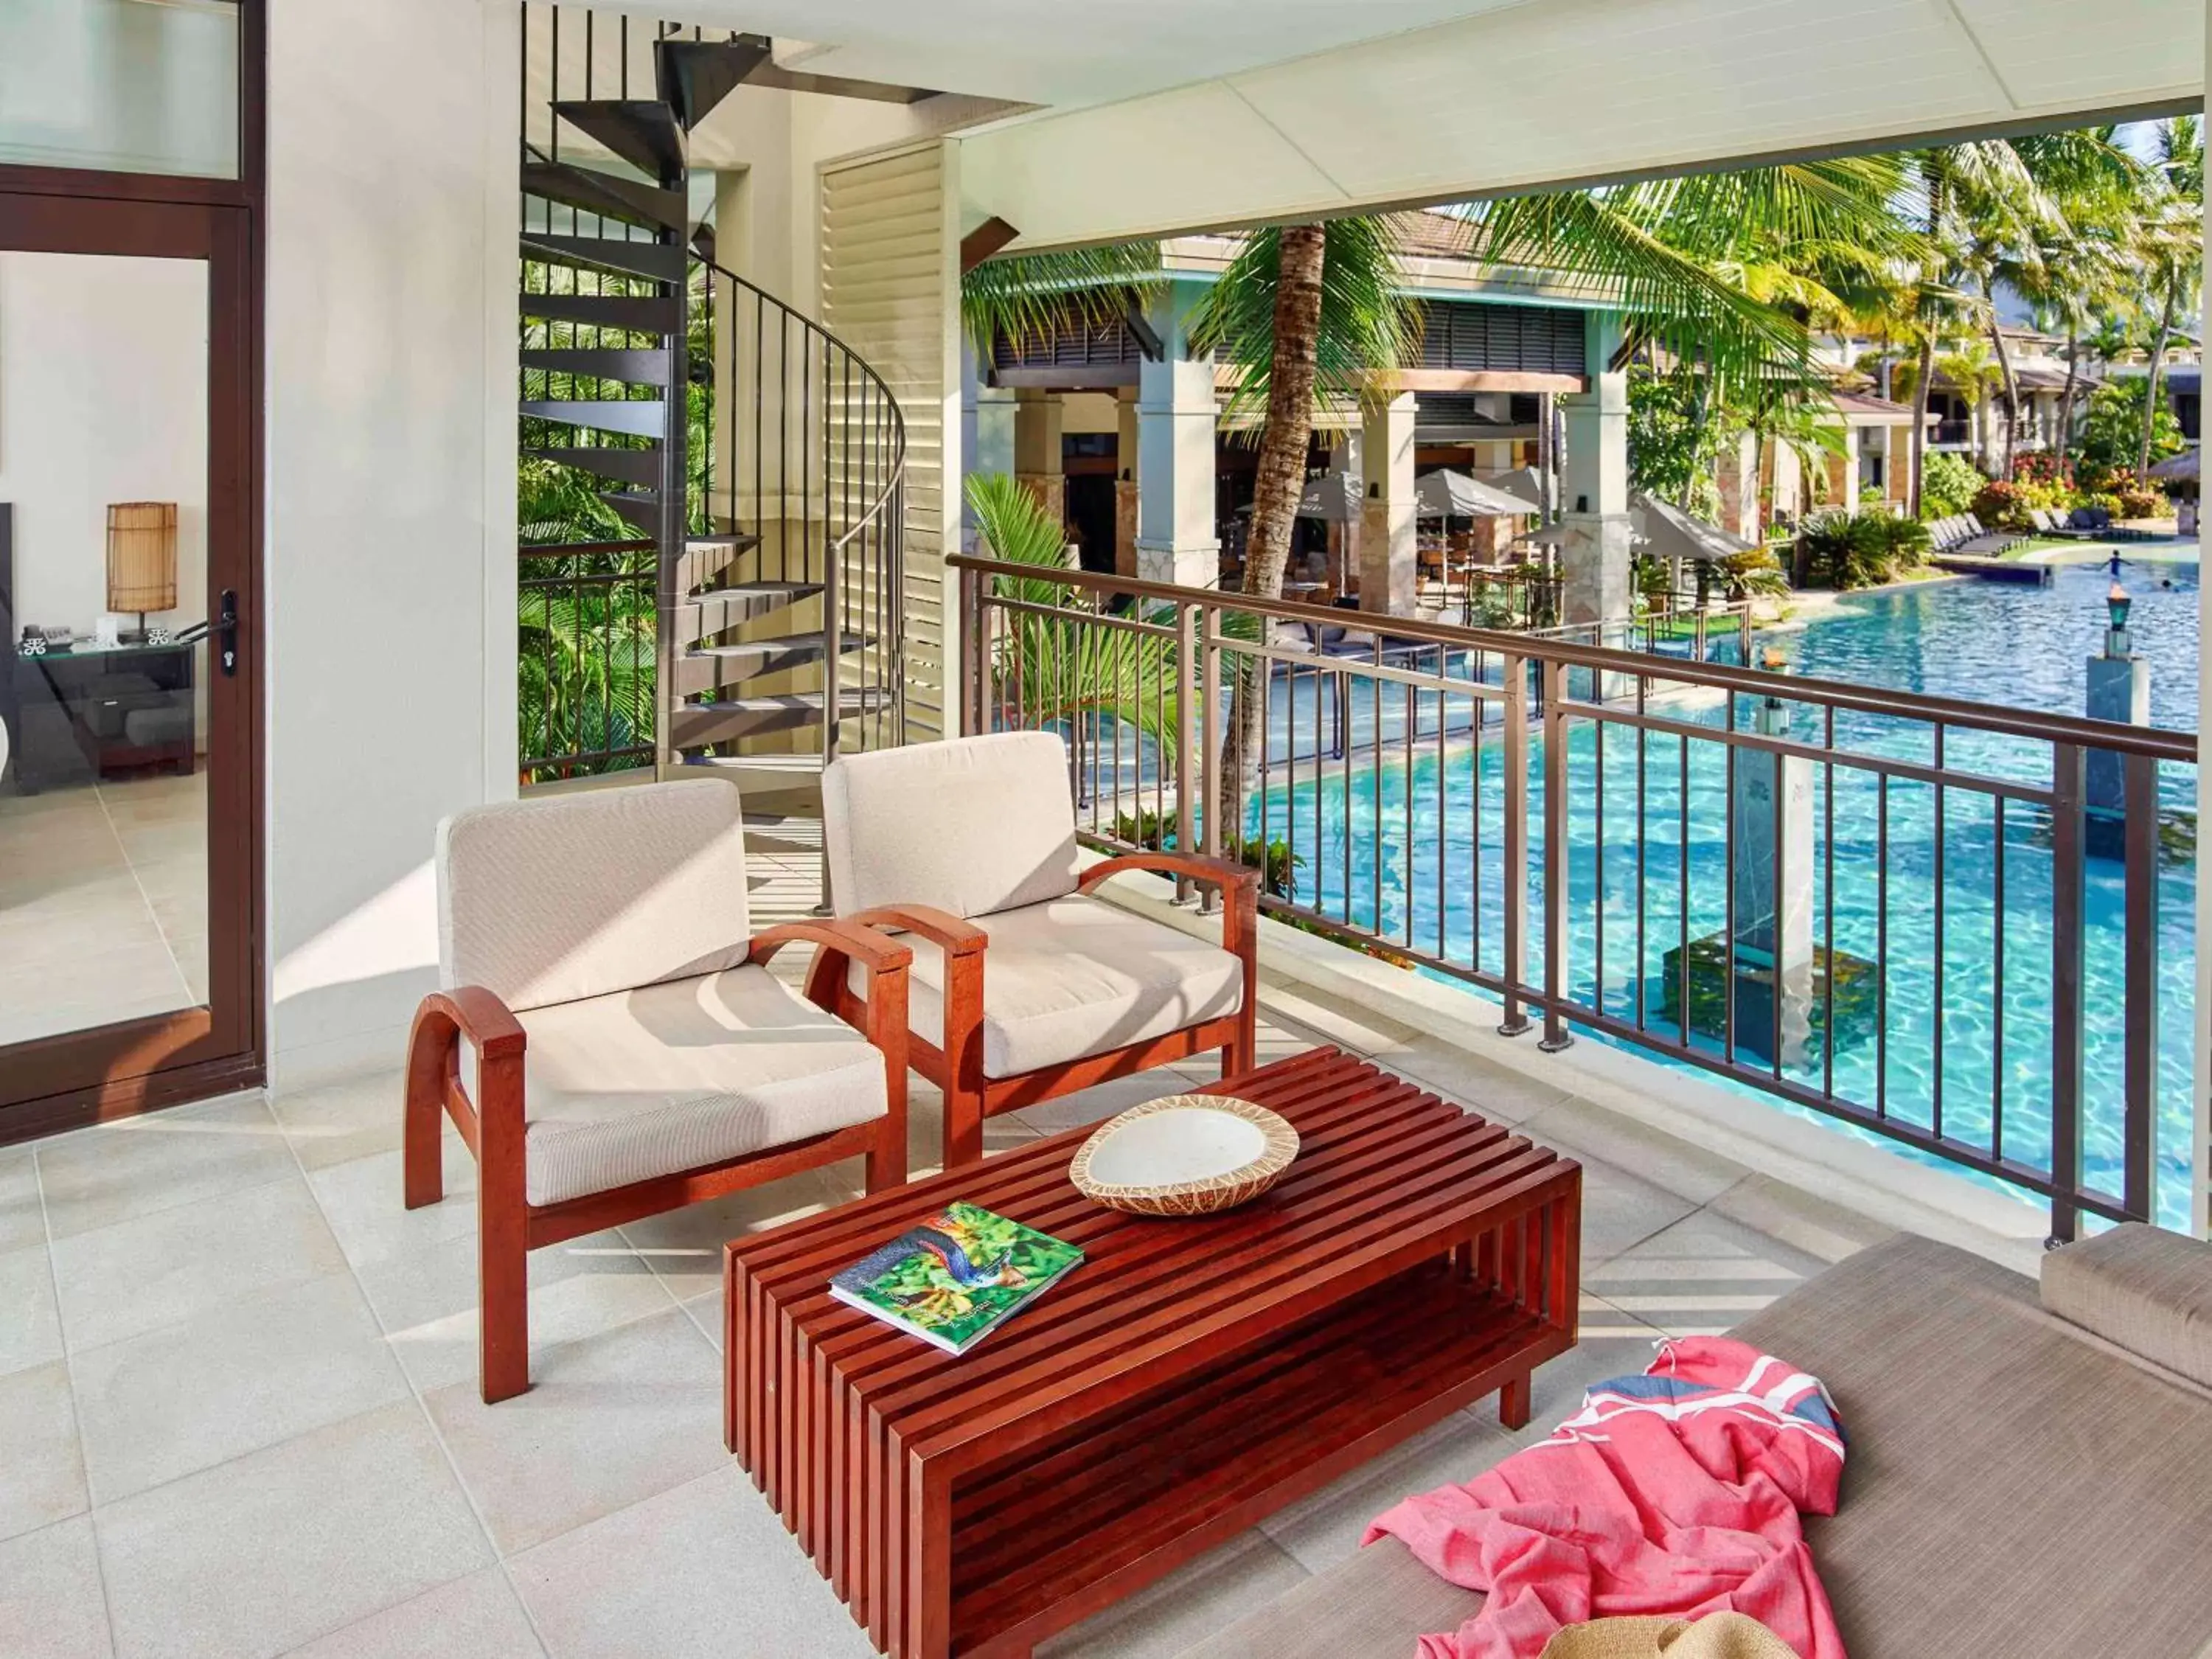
x=129, y=925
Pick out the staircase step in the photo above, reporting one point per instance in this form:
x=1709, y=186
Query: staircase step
x=631, y=466
x=603, y=193
x=706, y=557
x=706, y=668
x=646, y=366
x=637, y=314
x=663, y=261
x=641, y=510
x=638, y=417
x=643, y=131
x=695, y=75
x=721, y=608
x=735, y=719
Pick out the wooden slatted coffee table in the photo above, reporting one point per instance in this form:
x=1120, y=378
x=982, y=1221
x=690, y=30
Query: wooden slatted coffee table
x=1190, y=1378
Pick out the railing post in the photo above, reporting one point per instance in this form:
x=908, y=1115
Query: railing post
x=1187, y=730
x=2068, y=779
x=2139, y=1135
x=974, y=696
x=1556, y=860
x=1217, y=782
x=1514, y=879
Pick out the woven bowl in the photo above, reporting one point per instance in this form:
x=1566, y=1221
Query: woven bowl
x=1184, y=1155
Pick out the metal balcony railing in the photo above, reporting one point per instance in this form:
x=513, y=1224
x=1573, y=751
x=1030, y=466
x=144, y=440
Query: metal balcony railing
x=1943, y=922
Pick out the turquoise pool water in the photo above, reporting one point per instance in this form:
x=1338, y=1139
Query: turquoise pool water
x=1400, y=846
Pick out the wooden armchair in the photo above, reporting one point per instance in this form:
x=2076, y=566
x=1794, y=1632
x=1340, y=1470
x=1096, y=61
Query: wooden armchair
x=610, y=1044
x=1023, y=985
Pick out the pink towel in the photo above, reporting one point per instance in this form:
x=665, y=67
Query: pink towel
x=1677, y=1492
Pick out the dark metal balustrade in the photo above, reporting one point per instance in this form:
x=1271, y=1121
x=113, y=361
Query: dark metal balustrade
x=1576, y=830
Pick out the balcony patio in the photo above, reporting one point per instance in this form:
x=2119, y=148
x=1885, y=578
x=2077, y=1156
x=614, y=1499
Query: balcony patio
x=239, y=1411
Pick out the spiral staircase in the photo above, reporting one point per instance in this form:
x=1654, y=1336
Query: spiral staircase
x=759, y=461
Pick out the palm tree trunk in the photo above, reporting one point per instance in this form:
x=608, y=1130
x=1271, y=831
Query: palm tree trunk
x=2066, y=401
x=2150, y=390
x=2011, y=389
x=1919, y=440
x=1278, y=482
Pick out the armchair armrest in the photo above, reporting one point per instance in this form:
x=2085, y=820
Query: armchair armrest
x=1225, y=873
x=489, y=1114
x=948, y=932
x=874, y=950
x=471, y=1012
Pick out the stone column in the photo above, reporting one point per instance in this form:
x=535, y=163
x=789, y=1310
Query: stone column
x=1177, y=422
x=1593, y=546
x=1386, y=523
x=1772, y=951
x=2118, y=689
x=1127, y=492
x=1037, y=449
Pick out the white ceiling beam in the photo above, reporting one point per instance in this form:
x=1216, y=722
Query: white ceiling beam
x=1568, y=92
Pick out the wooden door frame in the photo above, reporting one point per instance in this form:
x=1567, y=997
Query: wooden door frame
x=114, y=1071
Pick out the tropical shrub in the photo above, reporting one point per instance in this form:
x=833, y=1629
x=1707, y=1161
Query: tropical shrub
x=2112, y=438
x=1051, y=670
x=1905, y=541
x=1865, y=549
x=1755, y=575
x=1949, y=485
x=2136, y=503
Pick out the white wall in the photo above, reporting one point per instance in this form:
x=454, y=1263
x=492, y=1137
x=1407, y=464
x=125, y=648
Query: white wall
x=391, y=504
x=103, y=398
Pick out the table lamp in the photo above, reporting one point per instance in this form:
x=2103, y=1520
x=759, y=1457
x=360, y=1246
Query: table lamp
x=142, y=560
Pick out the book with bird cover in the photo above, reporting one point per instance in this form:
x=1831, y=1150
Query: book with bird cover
x=950, y=1279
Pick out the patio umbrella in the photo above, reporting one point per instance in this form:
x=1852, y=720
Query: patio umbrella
x=1524, y=483
x=1663, y=530
x=1460, y=496
x=1667, y=532
x=2182, y=467
x=1334, y=498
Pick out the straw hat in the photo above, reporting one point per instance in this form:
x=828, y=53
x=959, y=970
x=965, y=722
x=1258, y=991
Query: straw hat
x=1715, y=1635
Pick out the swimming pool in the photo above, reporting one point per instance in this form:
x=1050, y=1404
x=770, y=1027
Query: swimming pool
x=1410, y=849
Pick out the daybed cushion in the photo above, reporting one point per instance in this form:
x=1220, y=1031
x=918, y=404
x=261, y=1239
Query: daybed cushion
x=1072, y=977
x=679, y=1075
x=2014, y=1485
x=970, y=825
x=546, y=901
x=2145, y=1289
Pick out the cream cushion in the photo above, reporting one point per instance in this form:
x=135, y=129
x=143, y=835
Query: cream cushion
x=680, y=1075
x=546, y=901
x=970, y=825
x=1072, y=977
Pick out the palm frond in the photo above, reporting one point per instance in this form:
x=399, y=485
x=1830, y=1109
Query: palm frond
x=1369, y=326
x=1019, y=296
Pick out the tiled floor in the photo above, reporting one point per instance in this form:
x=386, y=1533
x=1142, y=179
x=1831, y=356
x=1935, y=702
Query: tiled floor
x=238, y=1414
x=103, y=903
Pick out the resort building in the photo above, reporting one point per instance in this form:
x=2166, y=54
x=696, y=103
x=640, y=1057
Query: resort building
x=575, y=932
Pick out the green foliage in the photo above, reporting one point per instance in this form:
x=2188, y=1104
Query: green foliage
x=1756, y=575
x=1674, y=438
x=1864, y=549
x=1056, y=661
x=1949, y=485
x=1024, y=294
x=2112, y=436
x=1367, y=322
x=1276, y=865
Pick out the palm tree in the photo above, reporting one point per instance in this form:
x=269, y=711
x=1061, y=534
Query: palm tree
x=2170, y=244
x=1307, y=314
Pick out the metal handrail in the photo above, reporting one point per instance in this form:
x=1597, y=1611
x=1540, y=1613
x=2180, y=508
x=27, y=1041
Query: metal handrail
x=2156, y=742
x=1191, y=710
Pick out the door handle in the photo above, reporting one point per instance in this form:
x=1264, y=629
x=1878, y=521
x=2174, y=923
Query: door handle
x=227, y=632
